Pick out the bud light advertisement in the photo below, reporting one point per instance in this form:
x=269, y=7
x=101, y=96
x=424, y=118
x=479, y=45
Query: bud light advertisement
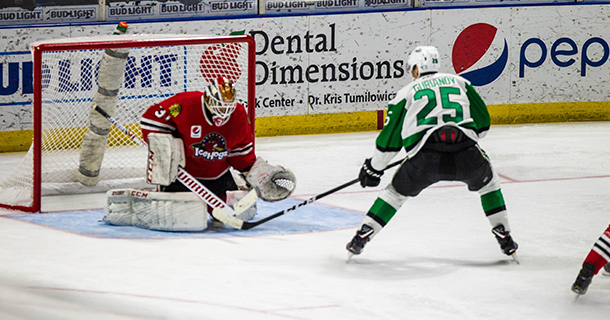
x=276, y=7
x=119, y=10
x=20, y=12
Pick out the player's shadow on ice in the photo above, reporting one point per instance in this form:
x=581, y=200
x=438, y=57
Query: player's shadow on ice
x=409, y=267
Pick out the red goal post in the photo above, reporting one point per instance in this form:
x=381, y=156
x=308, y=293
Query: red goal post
x=66, y=74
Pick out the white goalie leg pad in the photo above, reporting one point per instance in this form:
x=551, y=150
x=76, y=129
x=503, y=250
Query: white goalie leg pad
x=109, y=80
x=164, y=211
x=274, y=182
x=170, y=211
x=165, y=155
x=118, y=210
x=233, y=197
x=91, y=157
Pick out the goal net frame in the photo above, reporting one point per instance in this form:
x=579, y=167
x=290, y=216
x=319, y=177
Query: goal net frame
x=116, y=42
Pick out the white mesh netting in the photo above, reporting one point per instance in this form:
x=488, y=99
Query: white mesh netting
x=69, y=83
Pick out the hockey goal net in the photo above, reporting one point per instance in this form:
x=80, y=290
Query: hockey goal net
x=71, y=76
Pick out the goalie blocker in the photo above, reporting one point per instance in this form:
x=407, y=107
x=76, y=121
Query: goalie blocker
x=165, y=155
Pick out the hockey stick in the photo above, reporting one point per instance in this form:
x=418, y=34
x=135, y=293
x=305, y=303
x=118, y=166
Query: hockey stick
x=245, y=225
x=187, y=180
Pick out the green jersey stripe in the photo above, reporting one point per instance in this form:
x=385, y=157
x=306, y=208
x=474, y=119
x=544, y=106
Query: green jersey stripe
x=389, y=138
x=411, y=141
x=478, y=110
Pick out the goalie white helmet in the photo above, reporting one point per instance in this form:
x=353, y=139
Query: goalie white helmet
x=426, y=58
x=219, y=99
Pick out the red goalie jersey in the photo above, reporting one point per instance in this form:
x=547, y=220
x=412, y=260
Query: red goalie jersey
x=211, y=145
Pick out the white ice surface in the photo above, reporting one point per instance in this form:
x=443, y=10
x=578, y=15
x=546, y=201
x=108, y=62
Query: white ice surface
x=436, y=259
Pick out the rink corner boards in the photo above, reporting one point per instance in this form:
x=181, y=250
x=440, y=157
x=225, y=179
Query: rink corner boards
x=18, y=141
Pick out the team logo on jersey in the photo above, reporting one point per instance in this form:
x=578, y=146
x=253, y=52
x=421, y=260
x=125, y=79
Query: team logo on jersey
x=175, y=109
x=212, y=147
x=480, y=54
x=195, y=131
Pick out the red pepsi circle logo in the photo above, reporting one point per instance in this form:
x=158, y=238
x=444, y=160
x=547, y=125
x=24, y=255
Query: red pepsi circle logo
x=480, y=54
x=195, y=131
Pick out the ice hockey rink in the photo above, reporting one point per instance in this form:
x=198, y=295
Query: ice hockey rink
x=436, y=259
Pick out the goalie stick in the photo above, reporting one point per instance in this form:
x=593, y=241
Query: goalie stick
x=219, y=206
x=245, y=225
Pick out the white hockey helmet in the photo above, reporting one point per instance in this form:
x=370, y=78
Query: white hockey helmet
x=219, y=99
x=426, y=58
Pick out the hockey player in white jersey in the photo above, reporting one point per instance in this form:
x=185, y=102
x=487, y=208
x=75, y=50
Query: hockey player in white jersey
x=438, y=119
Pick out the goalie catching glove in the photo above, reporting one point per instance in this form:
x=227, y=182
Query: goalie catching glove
x=274, y=182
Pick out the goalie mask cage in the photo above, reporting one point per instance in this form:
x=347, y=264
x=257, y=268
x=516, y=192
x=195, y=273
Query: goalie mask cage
x=66, y=74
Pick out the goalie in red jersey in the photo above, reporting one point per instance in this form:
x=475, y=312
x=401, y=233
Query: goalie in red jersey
x=206, y=133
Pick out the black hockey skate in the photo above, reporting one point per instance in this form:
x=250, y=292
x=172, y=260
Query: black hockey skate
x=508, y=246
x=585, y=276
x=360, y=239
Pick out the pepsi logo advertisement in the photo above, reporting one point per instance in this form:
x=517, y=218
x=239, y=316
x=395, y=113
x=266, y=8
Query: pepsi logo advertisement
x=471, y=51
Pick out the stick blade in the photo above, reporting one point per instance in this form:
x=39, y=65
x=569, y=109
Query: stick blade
x=227, y=218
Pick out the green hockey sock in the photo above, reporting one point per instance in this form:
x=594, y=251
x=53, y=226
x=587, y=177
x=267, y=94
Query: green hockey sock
x=493, y=202
x=382, y=210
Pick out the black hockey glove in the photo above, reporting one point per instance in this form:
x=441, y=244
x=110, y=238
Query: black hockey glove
x=369, y=177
